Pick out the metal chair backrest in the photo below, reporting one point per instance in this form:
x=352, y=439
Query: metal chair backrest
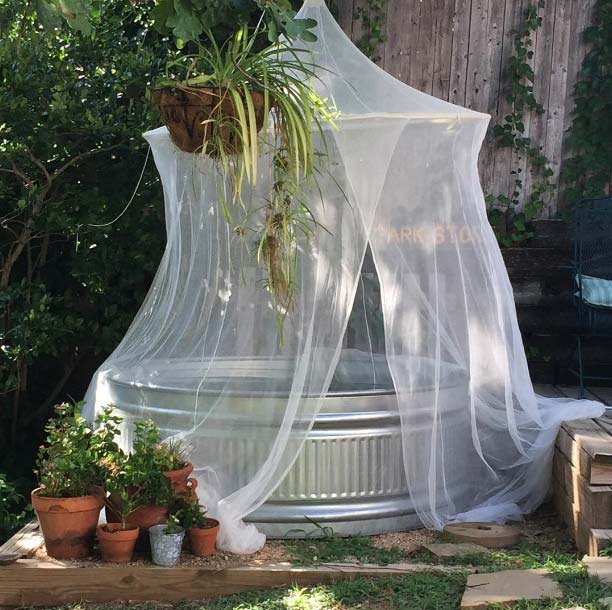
x=593, y=245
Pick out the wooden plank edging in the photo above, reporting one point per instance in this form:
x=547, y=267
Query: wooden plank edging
x=44, y=583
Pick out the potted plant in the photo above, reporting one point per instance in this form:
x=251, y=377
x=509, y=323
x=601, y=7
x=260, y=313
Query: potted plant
x=215, y=99
x=201, y=530
x=167, y=542
x=117, y=540
x=70, y=494
x=144, y=483
x=173, y=462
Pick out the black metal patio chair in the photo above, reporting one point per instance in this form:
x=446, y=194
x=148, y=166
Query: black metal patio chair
x=593, y=277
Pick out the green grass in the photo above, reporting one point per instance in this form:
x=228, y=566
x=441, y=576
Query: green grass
x=523, y=556
x=407, y=592
x=356, y=548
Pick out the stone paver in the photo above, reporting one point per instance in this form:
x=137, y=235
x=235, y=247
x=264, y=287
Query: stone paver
x=448, y=550
x=491, y=535
x=606, y=601
x=600, y=567
x=507, y=586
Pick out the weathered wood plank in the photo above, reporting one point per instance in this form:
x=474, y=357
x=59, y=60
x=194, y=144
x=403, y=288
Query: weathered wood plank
x=345, y=16
x=589, y=540
x=459, y=52
x=605, y=395
x=422, y=69
x=593, y=502
x=25, y=542
x=44, y=583
x=549, y=391
x=587, y=445
x=582, y=17
x=556, y=106
x=574, y=392
x=397, y=53
x=443, y=36
x=459, y=49
x=504, y=161
x=542, y=67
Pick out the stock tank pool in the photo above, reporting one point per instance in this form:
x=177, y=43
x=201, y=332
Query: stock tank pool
x=349, y=476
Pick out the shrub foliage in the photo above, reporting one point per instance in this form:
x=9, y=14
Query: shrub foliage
x=72, y=110
x=588, y=171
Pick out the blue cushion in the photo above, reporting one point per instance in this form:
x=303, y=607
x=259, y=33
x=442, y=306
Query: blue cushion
x=596, y=291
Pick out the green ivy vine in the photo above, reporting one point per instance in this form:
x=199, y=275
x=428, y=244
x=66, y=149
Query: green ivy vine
x=588, y=170
x=509, y=220
x=373, y=18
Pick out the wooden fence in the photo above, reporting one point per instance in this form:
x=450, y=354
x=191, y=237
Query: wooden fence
x=457, y=50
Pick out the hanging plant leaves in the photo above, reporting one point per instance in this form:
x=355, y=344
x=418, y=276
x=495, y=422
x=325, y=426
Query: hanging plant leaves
x=161, y=12
x=184, y=23
x=47, y=16
x=74, y=12
x=284, y=21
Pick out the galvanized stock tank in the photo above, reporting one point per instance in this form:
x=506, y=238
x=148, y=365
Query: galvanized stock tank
x=349, y=477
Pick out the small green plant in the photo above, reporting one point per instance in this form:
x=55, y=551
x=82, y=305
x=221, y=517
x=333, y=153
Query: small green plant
x=70, y=463
x=118, y=482
x=607, y=552
x=12, y=512
x=143, y=474
x=188, y=512
x=171, y=455
x=373, y=17
x=173, y=525
x=510, y=222
x=587, y=171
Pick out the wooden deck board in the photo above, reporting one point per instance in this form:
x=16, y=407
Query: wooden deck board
x=603, y=394
x=574, y=392
x=549, y=391
x=25, y=542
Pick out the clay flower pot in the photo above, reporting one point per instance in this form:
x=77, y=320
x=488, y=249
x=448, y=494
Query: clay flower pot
x=166, y=547
x=143, y=517
x=180, y=480
x=202, y=539
x=116, y=542
x=68, y=524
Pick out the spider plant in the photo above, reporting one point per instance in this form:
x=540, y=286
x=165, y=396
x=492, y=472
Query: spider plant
x=283, y=78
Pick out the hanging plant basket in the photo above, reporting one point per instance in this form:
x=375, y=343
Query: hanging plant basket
x=189, y=112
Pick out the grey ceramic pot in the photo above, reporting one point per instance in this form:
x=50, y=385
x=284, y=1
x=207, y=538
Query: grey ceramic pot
x=165, y=548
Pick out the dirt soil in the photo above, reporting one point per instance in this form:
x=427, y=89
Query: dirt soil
x=543, y=528
x=409, y=541
x=273, y=552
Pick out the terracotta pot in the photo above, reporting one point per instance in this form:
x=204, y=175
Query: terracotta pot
x=180, y=481
x=116, y=543
x=186, y=112
x=68, y=524
x=144, y=517
x=202, y=539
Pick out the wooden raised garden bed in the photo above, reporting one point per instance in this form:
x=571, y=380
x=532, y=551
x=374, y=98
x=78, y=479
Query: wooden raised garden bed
x=36, y=580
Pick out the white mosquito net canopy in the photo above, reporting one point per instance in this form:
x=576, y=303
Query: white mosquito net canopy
x=203, y=358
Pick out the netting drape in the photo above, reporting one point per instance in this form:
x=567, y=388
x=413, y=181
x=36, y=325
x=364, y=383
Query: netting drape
x=477, y=441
